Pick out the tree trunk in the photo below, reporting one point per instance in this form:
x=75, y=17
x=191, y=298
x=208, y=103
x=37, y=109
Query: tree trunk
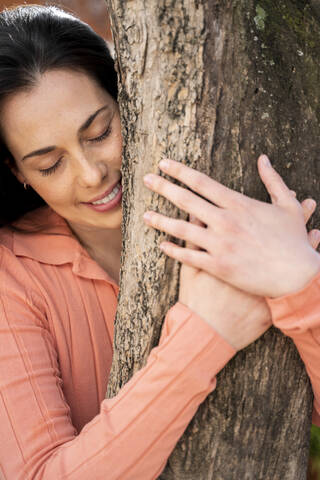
x=213, y=84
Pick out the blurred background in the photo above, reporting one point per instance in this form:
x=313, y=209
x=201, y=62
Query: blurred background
x=95, y=13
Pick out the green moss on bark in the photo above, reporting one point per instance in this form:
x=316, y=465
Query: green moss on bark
x=290, y=30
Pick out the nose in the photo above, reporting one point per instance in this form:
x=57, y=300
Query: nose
x=91, y=172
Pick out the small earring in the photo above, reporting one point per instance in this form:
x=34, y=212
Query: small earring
x=25, y=185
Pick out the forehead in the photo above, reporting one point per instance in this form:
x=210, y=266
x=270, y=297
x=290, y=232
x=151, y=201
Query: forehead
x=61, y=100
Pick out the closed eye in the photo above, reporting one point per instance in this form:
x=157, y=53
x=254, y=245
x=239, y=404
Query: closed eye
x=102, y=137
x=48, y=171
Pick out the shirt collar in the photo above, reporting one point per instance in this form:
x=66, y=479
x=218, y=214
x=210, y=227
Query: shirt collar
x=52, y=242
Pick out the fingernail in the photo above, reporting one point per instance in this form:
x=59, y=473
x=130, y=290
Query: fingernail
x=164, y=164
x=162, y=246
x=147, y=216
x=148, y=179
x=266, y=160
x=310, y=204
x=315, y=235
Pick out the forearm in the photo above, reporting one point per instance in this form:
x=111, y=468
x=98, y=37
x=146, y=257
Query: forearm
x=298, y=316
x=151, y=412
x=134, y=433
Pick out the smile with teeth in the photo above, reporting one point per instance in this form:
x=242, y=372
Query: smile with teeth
x=109, y=197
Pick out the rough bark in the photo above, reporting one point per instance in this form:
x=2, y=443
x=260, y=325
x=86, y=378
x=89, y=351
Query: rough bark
x=213, y=84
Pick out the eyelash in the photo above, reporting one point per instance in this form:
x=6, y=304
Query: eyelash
x=49, y=171
x=102, y=137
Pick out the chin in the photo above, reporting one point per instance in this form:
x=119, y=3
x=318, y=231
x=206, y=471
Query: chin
x=113, y=223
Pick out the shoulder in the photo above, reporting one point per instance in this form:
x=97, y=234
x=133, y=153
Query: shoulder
x=20, y=298
x=6, y=239
x=20, y=247
x=29, y=224
x=41, y=235
x=22, y=231
x=15, y=279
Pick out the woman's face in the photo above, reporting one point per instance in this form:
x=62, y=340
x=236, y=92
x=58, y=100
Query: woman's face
x=65, y=136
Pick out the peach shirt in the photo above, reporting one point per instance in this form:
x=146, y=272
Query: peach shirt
x=57, y=308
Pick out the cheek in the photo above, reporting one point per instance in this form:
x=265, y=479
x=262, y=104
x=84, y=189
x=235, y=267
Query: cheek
x=54, y=192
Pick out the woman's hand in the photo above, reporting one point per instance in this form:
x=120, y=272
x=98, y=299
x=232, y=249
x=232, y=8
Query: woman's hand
x=240, y=318
x=258, y=247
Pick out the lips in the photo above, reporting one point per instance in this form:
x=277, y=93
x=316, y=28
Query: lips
x=105, y=194
x=105, y=204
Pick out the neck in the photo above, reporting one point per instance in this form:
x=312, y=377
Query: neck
x=104, y=246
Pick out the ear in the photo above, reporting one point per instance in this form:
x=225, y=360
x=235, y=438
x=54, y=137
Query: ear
x=11, y=165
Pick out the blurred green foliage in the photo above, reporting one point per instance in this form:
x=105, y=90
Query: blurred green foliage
x=315, y=448
x=315, y=442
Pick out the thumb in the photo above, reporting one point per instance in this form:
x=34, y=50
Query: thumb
x=277, y=189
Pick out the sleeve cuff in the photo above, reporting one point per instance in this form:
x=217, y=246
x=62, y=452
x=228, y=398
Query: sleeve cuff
x=298, y=312
x=199, y=330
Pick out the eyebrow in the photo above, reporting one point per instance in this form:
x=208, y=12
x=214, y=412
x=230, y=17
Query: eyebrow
x=84, y=126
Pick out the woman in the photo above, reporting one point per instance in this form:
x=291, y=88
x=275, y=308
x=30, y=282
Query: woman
x=59, y=271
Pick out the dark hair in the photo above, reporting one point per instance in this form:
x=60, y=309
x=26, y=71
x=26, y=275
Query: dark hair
x=35, y=39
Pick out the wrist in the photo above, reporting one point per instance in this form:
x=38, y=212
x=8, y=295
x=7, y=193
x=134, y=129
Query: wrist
x=296, y=313
x=302, y=276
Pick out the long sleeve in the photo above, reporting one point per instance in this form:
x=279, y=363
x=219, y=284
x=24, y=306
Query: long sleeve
x=134, y=432
x=298, y=316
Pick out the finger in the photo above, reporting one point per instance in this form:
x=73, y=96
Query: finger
x=200, y=183
x=314, y=238
x=178, y=228
x=277, y=189
x=192, y=258
x=194, y=221
x=182, y=198
x=308, y=208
